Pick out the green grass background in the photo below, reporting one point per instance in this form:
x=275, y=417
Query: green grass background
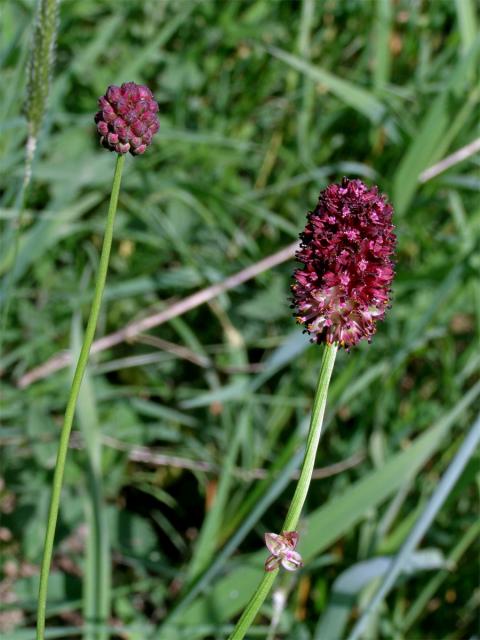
x=262, y=104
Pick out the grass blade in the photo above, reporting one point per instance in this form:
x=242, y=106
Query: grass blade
x=433, y=506
x=350, y=583
x=97, y=579
x=352, y=95
x=417, y=607
x=424, y=148
x=467, y=22
x=327, y=524
x=381, y=37
x=208, y=538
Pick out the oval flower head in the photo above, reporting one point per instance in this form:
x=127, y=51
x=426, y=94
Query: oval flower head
x=346, y=247
x=282, y=549
x=127, y=120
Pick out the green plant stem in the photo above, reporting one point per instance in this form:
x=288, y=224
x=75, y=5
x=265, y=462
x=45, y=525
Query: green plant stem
x=314, y=433
x=301, y=491
x=72, y=401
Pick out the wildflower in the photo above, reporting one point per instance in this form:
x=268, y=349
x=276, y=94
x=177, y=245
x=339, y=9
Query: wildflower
x=127, y=120
x=282, y=549
x=343, y=288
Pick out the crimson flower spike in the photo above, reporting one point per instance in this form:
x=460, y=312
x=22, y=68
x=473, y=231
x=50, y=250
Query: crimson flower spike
x=343, y=288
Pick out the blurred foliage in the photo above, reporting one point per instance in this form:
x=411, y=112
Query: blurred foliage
x=262, y=104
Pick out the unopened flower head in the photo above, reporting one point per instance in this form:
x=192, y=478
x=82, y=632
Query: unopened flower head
x=127, y=120
x=346, y=247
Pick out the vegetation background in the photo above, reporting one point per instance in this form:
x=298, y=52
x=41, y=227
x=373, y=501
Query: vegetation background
x=187, y=435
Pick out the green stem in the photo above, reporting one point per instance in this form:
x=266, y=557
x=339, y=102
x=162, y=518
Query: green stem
x=301, y=491
x=315, y=431
x=72, y=401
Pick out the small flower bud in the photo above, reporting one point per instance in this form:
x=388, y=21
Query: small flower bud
x=127, y=120
x=343, y=288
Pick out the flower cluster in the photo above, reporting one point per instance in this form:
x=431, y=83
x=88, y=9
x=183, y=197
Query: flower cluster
x=346, y=249
x=127, y=120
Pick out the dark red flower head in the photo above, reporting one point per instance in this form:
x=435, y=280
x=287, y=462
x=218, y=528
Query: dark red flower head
x=346, y=249
x=127, y=120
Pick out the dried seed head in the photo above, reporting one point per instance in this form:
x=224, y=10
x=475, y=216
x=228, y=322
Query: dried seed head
x=127, y=120
x=346, y=248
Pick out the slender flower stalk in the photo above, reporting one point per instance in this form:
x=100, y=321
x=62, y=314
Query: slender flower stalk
x=339, y=295
x=127, y=107
x=301, y=491
x=72, y=401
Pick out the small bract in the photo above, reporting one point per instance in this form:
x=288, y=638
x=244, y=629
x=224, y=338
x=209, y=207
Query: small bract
x=282, y=549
